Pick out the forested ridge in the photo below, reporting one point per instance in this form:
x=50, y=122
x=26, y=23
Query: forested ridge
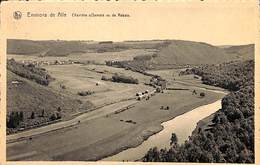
x=231, y=137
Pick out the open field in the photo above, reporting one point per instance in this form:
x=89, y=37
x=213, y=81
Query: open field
x=95, y=139
x=175, y=80
x=78, y=78
x=98, y=58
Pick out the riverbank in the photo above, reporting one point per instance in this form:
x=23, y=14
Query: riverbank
x=110, y=134
x=162, y=140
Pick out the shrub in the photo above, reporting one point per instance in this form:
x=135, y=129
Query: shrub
x=42, y=113
x=202, y=94
x=53, y=117
x=124, y=79
x=143, y=58
x=85, y=93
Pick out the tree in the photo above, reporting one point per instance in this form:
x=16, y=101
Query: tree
x=43, y=113
x=53, y=117
x=152, y=155
x=174, y=139
x=21, y=118
x=13, y=121
x=59, y=109
x=32, y=115
x=58, y=115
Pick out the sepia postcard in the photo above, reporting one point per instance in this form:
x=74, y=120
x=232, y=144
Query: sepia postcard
x=114, y=82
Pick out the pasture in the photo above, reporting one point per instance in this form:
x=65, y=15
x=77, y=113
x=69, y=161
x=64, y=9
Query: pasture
x=79, y=77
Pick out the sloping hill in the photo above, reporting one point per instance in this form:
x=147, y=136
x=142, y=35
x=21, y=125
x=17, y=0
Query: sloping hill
x=169, y=52
x=26, y=95
x=36, y=103
x=188, y=52
x=30, y=99
x=24, y=47
x=64, y=48
x=46, y=48
x=244, y=52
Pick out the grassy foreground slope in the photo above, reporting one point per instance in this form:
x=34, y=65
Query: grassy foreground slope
x=231, y=137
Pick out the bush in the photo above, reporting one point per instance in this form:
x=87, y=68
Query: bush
x=202, y=94
x=85, y=93
x=143, y=58
x=124, y=79
x=104, y=78
x=53, y=117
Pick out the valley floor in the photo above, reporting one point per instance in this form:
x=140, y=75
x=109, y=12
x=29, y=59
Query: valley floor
x=111, y=128
x=106, y=135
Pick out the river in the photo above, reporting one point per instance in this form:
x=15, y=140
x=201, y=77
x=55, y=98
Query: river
x=182, y=126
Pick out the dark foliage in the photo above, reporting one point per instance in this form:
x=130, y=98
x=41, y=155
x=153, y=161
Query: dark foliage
x=32, y=115
x=143, y=58
x=30, y=72
x=202, y=94
x=232, y=75
x=174, y=139
x=124, y=79
x=55, y=116
x=14, y=119
x=85, y=93
x=231, y=137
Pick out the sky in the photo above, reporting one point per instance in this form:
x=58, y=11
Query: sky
x=226, y=23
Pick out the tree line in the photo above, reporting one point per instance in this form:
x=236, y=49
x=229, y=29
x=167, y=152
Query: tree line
x=31, y=72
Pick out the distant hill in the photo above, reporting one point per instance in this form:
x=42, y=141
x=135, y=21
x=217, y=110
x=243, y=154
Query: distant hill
x=169, y=52
x=178, y=53
x=44, y=48
x=64, y=48
x=189, y=52
x=245, y=52
x=26, y=47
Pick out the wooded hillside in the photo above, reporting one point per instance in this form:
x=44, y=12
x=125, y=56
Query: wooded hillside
x=231, y=137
